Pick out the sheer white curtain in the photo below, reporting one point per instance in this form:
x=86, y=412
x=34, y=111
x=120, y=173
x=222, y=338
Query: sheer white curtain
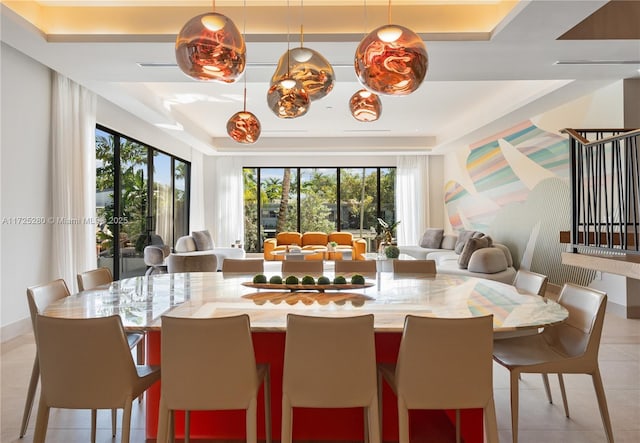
x=73, y=187
x=228, y=211
x=412, y=197
x=196, y=209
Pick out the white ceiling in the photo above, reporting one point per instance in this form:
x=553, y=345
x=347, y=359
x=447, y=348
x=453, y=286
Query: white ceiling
x=472, y=86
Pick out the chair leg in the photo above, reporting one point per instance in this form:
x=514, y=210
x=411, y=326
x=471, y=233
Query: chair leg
x=163, y=422
x=287, y=421
x=564, y=395
x=187, y=426
x=490, y=422
x=267, y=406
x=94, y=415
x=514, y=406
x=31, y=393
x=140, y=358
x=373, y=423
x=126, y=421
x=403, y=424
x=602, y=404
x=547, y=389
x=114, y=422
x=457, y=425
x=42, y=422
x=172, y=427
x=251, y=421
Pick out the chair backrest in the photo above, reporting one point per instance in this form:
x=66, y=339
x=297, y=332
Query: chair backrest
x=153, y=255
x=329, y=362
x=82, y=373
x=94, y=278
x=531, y=282
x=414, y=267
x=243, y=265
x=579, y=335
x=445, y=363
x=302, y=267
x=41, y=296
x=207, y=363
x=355, y=267
x=192, y=263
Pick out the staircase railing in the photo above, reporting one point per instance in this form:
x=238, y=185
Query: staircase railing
x=605, y=189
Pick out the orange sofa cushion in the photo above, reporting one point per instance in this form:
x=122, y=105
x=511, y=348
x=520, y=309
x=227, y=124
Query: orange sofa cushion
x=314, y=239
x=342, y=238
x=289, y=238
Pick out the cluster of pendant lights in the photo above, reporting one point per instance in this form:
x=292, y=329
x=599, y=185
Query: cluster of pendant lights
x=391, y=60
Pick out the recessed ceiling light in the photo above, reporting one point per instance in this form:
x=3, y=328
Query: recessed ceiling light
x=173, y=127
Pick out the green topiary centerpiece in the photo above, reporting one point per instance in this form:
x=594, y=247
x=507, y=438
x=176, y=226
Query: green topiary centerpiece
x=392, y=251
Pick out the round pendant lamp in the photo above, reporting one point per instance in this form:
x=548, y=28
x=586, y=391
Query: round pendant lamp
x=365, y=106
x=391, y=60
x=244, y=127
x=210, y=47
x=287, y=98
x=308, y=67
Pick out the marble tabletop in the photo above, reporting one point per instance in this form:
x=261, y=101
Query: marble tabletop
x=141, y=301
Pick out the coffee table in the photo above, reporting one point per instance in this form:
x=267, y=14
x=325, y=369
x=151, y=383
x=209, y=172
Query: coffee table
x=384, y=263
x=298, y=255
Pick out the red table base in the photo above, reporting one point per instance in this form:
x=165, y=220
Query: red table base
x=311, y=424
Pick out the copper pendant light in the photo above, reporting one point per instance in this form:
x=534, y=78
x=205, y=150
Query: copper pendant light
x=391, y=60
x=310, y=68
x=287, y=97
x=210, y=47
x=365, y=106
x=244, y=127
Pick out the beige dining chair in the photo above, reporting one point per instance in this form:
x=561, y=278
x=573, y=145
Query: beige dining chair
x=568, y=348
x=77, y=373
x=209, y=364
x=243, y=265
x=102, y=277
x=443, y=363
x=302, y=267
x=330, y=363
x=38, y=298
x=94, y=278
x=414, y=267
x=532, y=283
x=363, y=267
x=192, y=263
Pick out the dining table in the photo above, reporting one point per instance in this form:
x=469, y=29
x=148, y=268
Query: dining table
x=142, y=301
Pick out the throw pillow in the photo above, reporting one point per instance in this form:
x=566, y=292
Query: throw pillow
x=203, y=240
x=471, y=246
x=432, y=238
x=488, y=261
x=449, y=242
x=463, y=236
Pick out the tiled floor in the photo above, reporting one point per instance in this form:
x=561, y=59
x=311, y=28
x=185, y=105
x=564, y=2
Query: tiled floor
x=539, y=420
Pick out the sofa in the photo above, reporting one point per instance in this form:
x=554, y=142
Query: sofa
x=468, y=252
x=346, y=247
x=201, y=243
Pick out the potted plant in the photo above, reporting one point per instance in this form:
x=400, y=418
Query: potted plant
x=385, y=233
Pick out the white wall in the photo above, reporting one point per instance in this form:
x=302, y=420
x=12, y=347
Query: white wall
x=26, y=255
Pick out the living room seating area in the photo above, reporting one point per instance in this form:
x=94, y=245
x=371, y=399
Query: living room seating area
x=333, y=246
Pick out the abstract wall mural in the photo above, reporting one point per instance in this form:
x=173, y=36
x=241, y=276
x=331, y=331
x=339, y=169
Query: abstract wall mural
x=520, y=197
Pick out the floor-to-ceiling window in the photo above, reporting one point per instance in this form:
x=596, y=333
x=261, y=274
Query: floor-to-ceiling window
x=316, y=199
x=142, y=198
